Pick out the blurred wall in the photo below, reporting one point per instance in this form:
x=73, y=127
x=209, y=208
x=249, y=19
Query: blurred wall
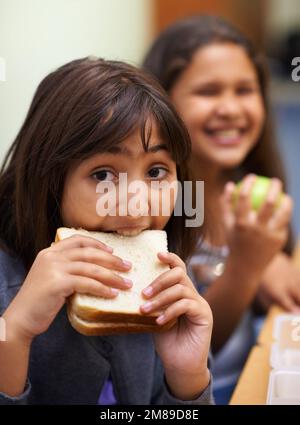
x=36, y=36
x=248, y=15
x=282, y=16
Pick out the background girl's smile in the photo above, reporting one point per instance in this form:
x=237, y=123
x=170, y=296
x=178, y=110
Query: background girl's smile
x=225, y=136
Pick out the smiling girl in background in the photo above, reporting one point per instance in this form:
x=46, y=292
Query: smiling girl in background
x=217, y=83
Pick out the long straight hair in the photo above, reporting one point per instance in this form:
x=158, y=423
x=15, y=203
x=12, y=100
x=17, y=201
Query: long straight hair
x=173, y=51
x=85, y=107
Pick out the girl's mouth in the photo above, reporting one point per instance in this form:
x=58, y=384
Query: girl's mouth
x=129, y=232
x=226, y=137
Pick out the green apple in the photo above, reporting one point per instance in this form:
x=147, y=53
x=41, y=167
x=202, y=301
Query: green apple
x=259, y=192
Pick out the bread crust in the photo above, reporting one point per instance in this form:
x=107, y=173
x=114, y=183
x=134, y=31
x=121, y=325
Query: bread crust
x=105, y=328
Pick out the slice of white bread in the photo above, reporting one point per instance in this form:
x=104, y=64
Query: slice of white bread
x=111, y=328
x=101, y=316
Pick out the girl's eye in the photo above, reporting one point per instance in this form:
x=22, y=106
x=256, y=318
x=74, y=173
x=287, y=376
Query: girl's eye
x=103, y=175
x=207, y=91
x=157, y=172
x=245, y=90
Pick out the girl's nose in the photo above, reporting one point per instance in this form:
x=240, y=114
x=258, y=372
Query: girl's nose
x=138, y=206
x=228, y=106
x=136, y=203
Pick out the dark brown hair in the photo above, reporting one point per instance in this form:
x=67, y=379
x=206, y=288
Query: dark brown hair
x=173, y=51
x=84, y=107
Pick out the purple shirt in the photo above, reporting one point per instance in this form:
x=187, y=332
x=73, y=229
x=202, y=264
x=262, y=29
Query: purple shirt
x=107, y=395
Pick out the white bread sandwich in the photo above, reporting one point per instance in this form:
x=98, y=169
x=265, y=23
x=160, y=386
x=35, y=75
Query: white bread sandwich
x=92, y=315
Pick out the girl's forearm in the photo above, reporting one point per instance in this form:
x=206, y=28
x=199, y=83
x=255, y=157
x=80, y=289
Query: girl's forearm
x=229, y=297
x=14, y=359
x=187, y=386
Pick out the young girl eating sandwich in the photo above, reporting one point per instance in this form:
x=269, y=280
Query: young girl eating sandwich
x=89, y=121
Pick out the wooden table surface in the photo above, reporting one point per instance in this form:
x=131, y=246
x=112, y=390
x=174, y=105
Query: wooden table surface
x=253, y=383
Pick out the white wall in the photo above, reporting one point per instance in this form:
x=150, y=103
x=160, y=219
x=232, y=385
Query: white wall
x=283, y=15
x=36, y=36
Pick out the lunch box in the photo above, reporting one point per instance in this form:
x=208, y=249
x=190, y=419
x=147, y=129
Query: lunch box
x=284, y=381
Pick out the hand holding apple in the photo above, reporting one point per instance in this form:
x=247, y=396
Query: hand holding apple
x=259, y=192
x=256, y=229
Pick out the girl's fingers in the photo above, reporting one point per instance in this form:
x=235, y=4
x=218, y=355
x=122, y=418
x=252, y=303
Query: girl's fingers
x=177, y=309
x=286, y=301
x=167, y=297
x=98, y=273
x=296, y=295
x=268, y=207
x=228, y=204
x=171, y=259
x=165, y=280
x=96, y=256
x=229, y=191
x=85, y=285
x=282, y=216
x=243, y=204
x=77, y=241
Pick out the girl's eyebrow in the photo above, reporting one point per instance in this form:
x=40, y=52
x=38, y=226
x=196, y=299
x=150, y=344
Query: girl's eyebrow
x=125, y=151
x=212, y=82
x=248, y=81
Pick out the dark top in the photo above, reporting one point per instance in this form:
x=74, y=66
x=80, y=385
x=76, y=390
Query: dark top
x=69, y=368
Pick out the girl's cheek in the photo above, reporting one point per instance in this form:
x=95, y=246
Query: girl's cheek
x=159, y=223
x=259, y=117
x=256, y=108
x=162, y=203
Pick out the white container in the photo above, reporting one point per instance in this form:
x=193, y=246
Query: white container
x=284, y=387
x=284, y=381
x=285, y=352
x=285, y=358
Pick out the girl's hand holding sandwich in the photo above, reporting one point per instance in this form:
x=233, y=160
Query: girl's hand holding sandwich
x=184, y=348
x=76, y=264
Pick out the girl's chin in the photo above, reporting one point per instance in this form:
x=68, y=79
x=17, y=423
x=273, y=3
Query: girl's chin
x=230, y=161
x=224, y=157
x=221, y=160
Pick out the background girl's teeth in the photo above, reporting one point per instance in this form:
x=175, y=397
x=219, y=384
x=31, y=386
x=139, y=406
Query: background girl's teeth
x=228, y=133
